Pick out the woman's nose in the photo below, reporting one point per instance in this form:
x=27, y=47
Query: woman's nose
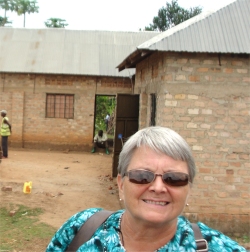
x=158, y=185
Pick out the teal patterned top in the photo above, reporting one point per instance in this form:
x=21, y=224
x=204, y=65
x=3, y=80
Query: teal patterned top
x=106, y=237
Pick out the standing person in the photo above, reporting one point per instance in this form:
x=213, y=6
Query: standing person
x=5, y=133
x=107, y=119
x=156, y=171
x=101, y=141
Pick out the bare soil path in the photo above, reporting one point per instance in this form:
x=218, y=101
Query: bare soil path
x=62, y=183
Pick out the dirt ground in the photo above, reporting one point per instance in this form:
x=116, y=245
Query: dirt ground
x=63, y=183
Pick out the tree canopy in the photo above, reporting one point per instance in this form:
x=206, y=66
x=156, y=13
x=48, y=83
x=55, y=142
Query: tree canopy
x=21, y=7
x=172, y=15
x=6, y=5
x=4, y=21
x=55, y=23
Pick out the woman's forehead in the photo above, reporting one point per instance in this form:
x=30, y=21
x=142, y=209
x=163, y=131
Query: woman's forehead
x=146, y=158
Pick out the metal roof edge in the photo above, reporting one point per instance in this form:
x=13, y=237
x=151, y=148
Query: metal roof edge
x=78, y=30
x=48, y=73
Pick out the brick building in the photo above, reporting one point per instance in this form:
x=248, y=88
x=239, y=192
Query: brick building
x=195, y=79
x=49, y=79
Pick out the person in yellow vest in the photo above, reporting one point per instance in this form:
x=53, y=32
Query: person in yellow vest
x=5, y=132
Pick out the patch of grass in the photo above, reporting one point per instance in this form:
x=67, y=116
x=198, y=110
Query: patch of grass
x=244, y=240
x=23, y=229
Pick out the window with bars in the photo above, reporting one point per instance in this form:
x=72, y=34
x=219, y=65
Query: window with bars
x=60, y=106
x=153, y=109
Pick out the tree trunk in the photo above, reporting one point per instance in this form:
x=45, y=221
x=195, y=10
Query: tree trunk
x=23, y=19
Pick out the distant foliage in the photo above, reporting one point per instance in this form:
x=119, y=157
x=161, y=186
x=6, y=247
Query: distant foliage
x=6, y=5
x=55, y=23
x=4, y=21
x=171, y=15
x=21, y=7
x=104, y=105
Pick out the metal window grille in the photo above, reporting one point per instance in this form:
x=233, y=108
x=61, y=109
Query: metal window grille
x=153, y=109
x=60, y=106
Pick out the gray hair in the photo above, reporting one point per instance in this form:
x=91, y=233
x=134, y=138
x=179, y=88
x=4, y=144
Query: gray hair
x=159, y=139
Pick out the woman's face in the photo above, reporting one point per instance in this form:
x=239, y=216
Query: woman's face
x=157, y=202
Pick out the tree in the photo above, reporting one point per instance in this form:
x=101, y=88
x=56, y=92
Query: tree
x=172, y=15
x=25, y=6
x=4, y=21
x=6, y=5
x=55, y=23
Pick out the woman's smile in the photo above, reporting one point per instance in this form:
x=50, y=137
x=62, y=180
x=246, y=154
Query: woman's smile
x=153, y=202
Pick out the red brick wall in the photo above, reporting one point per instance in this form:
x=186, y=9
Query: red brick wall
x=206, y=99
x=24, y=98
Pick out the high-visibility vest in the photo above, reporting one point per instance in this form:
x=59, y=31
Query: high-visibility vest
x=5, y=129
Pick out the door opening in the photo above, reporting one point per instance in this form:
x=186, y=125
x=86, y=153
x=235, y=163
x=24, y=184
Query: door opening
x=127, y=119
x=105, y=115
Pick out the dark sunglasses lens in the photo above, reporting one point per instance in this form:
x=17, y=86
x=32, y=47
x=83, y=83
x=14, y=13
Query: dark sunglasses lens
x=175, y=179
x=140, y=177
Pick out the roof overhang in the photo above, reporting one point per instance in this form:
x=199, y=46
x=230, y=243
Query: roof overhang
x=134, y=58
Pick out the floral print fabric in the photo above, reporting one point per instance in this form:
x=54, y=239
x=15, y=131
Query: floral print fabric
x=106, y=237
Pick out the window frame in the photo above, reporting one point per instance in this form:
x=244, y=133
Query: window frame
x=56, y=99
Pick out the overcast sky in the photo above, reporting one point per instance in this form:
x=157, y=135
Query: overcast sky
x=109, y=15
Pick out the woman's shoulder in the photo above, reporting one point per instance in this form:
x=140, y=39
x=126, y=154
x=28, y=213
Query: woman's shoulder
x=65, y=234
x=217, y=241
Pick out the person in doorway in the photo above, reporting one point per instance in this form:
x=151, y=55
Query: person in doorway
x=156, y=170
x=5, y=133
x=100, y=141
x=107, y=119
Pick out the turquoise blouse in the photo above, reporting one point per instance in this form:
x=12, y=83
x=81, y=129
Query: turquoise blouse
x=106, y=237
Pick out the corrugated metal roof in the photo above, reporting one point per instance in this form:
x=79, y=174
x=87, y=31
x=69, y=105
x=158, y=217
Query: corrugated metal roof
x=62, y=51
x=226, y=30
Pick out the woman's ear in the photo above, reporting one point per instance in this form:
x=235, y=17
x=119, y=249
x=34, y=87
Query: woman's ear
x=120, y=186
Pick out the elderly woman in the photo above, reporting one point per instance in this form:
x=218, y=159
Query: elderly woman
x=155, y=174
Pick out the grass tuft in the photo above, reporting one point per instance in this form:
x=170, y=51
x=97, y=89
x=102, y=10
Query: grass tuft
x=23, y=229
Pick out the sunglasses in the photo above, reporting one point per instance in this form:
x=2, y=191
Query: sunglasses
x=143, y=177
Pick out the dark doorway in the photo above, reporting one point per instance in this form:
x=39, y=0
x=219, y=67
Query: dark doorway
x=153, y=109
x=127, y=118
